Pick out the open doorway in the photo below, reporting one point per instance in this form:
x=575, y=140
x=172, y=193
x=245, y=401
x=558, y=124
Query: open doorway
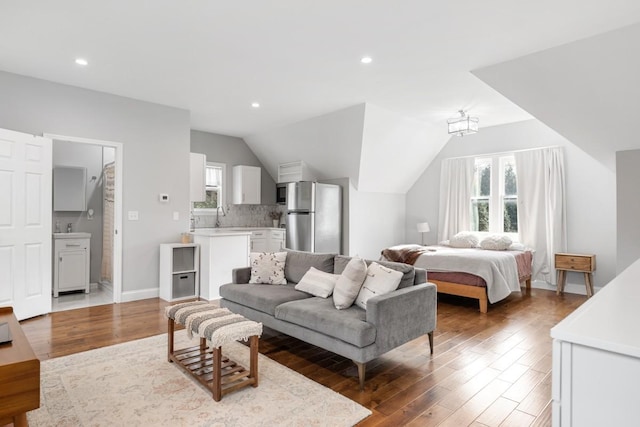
x=87, y=243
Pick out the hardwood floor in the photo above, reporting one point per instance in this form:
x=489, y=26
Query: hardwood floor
x=487, y=369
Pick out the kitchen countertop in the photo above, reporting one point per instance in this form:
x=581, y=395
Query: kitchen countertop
x=229, y=231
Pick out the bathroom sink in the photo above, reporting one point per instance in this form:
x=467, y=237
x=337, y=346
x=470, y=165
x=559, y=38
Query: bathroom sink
x=78, y=235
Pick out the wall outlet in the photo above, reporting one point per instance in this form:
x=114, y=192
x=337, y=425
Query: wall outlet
x=176, y=216
x=132, y=215
x=163, y=197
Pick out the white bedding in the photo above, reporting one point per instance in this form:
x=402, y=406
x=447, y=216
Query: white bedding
x=498, y=268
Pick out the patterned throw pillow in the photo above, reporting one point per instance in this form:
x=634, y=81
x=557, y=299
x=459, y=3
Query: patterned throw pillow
x=349, y=283
x=380, y=280
x=268, y=268
x=317, y=283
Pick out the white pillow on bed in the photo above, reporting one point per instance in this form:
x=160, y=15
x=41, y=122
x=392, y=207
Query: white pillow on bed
x=515, y=246
x=464, y=239
x=496, y=243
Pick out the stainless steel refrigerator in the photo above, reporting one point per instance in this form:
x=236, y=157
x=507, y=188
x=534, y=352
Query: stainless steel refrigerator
x=314, y=217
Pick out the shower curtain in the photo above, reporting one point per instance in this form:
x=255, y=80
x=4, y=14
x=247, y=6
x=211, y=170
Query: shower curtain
x=108, y=193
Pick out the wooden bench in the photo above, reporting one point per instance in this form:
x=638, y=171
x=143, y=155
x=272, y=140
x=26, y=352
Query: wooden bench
x=218, y=326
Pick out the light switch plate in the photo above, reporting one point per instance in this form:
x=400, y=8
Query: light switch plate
x=176, y=216
x=133, y=215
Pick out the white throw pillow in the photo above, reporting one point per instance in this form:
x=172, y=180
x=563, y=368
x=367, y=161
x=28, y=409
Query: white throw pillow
x=268, y=268
x=317, y=283
x=464, y=239
x=515, y=246
x=496, y=243
x=380, y=280
x=349, y=283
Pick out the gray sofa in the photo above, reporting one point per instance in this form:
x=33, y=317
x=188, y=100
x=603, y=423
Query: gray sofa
x=389, y=321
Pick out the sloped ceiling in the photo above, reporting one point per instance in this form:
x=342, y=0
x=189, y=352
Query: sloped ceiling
x=380, y=151
x=587, y=91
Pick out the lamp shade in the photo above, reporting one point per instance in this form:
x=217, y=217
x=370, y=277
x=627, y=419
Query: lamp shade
x=423, y=227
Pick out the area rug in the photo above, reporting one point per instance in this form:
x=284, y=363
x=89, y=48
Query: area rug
x=133, y=384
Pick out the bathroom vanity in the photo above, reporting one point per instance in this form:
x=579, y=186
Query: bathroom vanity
x=71, y=255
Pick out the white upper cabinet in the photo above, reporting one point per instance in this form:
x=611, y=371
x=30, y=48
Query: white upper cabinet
x=246, y=185
x=293, y=172
x=197, y=181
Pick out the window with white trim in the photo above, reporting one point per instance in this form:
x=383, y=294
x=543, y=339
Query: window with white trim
x=494, y=196
x=214, y=186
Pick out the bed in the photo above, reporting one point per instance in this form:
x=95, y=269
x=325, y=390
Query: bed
x=486, y=275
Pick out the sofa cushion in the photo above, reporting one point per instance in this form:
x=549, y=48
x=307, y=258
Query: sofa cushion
x=298, y=263
x=380, y=281
x=317, y=283
x=319, y=314
x=261, y=297
x=268, y=268
x=408, y=272
x=349, y=283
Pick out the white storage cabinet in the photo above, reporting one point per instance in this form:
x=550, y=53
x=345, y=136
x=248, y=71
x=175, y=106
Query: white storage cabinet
x=71, y=265
x=246, y=185
x=179, y=271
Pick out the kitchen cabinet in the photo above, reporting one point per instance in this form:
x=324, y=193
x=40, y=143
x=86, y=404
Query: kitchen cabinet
x=293, y=172
x=596, y=358
x=179, y=271
x=197, y=177
x=69, y=189
x=220, y=252
x=71, y=262
x=267, y=240
x=276, y=240
x=246, y=185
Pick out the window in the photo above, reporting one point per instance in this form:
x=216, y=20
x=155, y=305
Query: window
x=494, y=195
x=215, y=174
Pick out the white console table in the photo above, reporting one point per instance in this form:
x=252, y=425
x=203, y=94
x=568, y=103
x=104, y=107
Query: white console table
x=596, y=358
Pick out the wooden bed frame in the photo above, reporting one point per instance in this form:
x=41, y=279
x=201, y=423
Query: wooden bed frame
x=476, y=292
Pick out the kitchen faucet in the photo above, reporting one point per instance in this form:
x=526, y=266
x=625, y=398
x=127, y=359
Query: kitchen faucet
x=69, y=228
x=217, y=224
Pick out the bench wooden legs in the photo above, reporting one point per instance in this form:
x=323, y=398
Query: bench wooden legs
x=219, y=374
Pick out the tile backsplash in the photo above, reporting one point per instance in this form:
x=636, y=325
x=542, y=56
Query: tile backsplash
x=242, y=216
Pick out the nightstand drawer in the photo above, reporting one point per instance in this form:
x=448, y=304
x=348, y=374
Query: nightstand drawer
x=575, y=262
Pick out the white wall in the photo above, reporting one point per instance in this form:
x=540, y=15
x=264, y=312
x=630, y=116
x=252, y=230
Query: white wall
x=394, y=150
x=329, y=144
x=156, y=159
x=590, y=187
x=628, y=207
x=232, y=151
x=376, y=221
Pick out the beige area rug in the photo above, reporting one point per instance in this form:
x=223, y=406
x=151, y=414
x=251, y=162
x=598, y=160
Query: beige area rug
x=133, y=384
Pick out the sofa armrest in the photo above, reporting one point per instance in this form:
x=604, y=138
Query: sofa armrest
x=403, y=315
x=241, y=275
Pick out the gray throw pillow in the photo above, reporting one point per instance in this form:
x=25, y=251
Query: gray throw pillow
x=349, y=283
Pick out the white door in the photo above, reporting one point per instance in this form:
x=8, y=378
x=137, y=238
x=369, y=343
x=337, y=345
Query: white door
x=25, y=223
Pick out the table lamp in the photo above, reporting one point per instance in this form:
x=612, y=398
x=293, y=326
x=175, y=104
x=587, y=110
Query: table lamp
x=423, y=227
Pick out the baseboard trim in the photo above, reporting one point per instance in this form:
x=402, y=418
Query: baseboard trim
x=139, y=294
x=570, y=288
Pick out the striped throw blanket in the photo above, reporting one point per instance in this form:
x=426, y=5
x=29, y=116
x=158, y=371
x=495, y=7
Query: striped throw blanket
x=218, y=325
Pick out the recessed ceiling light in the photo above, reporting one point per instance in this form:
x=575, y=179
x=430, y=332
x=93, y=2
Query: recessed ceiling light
x=366, y=60
x=82, y=61
x=255, y=104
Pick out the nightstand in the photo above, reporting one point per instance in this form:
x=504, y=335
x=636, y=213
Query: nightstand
x=575, y=262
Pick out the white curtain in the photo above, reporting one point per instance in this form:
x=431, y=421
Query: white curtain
x=541, y=207
x=456, y=180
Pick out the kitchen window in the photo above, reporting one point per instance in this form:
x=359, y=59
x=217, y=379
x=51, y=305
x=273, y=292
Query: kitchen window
x=214, y=187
